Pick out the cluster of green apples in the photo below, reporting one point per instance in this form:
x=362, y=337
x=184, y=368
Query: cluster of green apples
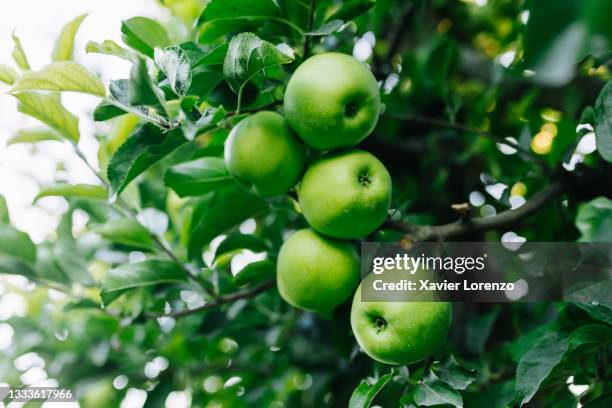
x=332, y=102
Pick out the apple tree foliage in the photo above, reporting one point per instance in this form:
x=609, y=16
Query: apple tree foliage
x=492, y=103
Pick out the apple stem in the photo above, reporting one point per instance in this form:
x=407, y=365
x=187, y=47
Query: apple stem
x=426, y=368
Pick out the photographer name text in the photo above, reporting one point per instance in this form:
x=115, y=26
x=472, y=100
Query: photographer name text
x=429, y=286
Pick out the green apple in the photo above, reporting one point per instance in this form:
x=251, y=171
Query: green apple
x=345, y=194
x=264, y=155
x=316, y=273
x=399, y=332
x=332, y=101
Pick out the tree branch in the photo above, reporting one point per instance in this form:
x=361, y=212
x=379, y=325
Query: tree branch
x=220, y=300
x=465, y=128
x=504, y=219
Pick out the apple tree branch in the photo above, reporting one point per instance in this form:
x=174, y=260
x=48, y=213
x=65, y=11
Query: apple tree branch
x=415, y=233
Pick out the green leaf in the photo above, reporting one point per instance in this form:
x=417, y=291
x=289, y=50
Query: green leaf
x=594, y=220
x=63, y=76
x=479, y=330
x=553, y=40
x=206, y=67
x=109, y=47
x=34, y=136
x=68, y=254
x=528, y=340
x=49, y=110
x=436, y=393
x=215, y=56
x=198, y=177
x=4, y=212
x=350, y=9
x=559, y=34
x=536, y=365
x=65, y=42
x=365, y=392
x=240, y=241
x=221, y=17
x=326, y=29
x=118, y=103
x=211, y=117
x=8, y=75
x=119, y=132
x=144, y=148
x=593, y=298
x=19, y=55
x=598, y=310
x=119, y=89
x=590, y=336
x=195, y=53
x=136, y=275
x=47, y=266
x=500, y=394
x=89, y=191
x=603, y=401
x=254, y=273
x=454, y=374
x=81, y=305
x=17, y=252
x=141, y=90
x=17, y=244
x=248, y=55
x=205, y=79
x=173, y=62
x=436, y=65
x=187, y=10
x=126, y=231
x=603, y=122
x=107, y=111
x=208, y=121
x=217, y=213
x=144, y=35
x=13, y=266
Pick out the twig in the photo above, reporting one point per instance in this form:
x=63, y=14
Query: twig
x=122, y=204
x=220, y=300
x=96, y=173
x=504, y=219
x=313, y=6
x=239, y=101
x=256, y=109
x=83, y=158
x=426, y=367
x=53, y=285
x=159, y=122
x=465, y=128
x=132, y=213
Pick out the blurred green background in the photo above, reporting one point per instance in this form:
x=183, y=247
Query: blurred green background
x=462, y=82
